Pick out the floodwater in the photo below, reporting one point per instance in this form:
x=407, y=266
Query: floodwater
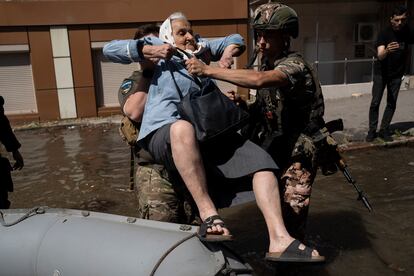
x=87, y=167
x=77, y=167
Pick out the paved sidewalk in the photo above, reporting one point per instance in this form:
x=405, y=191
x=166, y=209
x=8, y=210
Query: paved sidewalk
x=354, y=112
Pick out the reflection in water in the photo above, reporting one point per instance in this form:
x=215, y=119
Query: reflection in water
x=88, y=168
x=74, y=167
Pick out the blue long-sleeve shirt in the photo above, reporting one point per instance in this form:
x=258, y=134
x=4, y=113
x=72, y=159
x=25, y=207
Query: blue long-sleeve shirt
x=163, y=96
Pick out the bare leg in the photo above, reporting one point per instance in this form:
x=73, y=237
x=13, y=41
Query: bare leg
x=267, y=197
x=187, y=159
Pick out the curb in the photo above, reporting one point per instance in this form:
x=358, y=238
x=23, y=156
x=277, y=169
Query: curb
x=115, y=119
x=400, y=141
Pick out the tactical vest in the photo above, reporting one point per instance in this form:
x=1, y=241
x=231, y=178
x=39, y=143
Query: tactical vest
x=290, y=110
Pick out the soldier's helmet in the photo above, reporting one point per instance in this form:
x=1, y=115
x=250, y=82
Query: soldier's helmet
x=276, y=16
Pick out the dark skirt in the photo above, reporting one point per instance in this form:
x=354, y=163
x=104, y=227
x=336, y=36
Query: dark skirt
x=231, y=156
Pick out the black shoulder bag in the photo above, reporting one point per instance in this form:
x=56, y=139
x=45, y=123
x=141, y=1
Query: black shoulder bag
x=210, y=111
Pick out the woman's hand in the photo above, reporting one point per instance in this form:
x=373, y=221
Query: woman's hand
x=196, y=67
x=157, y=52
x=227, y=60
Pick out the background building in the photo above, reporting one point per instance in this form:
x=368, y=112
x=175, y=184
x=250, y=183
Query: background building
x=52, y=67
x=338, y=37
x=51, y=63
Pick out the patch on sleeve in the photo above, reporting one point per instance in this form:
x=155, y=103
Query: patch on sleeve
x=126, y=86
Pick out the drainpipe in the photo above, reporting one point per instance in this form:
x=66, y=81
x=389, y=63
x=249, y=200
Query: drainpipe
x=345, y=69
x=317, y=45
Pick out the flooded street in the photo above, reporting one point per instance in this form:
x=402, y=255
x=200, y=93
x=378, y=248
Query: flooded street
x=74, y=167
x=87, y=167
x=355, y=241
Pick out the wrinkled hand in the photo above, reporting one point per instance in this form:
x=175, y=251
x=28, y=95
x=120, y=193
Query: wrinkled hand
x=18, y=165
x=195, y=67
x=157, y=52
x=226, y=61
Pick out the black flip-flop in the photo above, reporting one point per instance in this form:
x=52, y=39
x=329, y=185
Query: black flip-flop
x=294, y=254
x=203, y=235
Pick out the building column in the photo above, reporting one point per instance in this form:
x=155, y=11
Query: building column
x=63, y=71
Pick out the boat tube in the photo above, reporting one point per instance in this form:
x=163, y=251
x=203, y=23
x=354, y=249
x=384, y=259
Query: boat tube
x=48, y=241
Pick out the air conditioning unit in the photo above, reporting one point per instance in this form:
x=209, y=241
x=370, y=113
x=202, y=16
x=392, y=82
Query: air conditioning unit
x=365, y=32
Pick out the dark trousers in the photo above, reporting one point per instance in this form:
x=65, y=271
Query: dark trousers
x=6, y=183
x=4, y=202
x=393, y=88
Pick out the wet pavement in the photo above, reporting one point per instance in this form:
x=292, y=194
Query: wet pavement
x=87, y=167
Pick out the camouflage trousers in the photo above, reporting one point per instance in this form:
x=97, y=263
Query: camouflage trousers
x=296, y=183
x=159, y=199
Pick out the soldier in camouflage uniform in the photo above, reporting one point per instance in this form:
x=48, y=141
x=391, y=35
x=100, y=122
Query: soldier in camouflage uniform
x=288, y=112
x=158, y=198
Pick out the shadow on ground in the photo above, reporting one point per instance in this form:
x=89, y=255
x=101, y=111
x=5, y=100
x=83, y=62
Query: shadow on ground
x=331, y=232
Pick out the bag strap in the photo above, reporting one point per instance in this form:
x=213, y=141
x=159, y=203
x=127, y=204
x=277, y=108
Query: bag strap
x=175, y=82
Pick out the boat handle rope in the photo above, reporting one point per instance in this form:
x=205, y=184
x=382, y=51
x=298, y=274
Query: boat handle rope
x=33, y=211
x=226, y=270
x=175, y=245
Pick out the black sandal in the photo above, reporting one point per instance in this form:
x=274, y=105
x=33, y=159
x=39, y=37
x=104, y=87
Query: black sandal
x=203, y=235
x=294, y=254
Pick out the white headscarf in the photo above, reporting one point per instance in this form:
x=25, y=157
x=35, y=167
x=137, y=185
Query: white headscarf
x=166, y=33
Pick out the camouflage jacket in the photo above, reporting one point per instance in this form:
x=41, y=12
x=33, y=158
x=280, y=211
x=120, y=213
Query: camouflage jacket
x=293, y=113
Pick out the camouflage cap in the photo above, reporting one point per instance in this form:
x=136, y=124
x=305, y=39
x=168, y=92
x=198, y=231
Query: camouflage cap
x=276, y=16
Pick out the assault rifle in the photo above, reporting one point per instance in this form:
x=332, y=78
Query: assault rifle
x=337, y=125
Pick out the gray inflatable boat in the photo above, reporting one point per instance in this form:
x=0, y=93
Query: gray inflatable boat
x=45, y=241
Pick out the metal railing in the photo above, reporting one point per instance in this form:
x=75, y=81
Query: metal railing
x=329, y=74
